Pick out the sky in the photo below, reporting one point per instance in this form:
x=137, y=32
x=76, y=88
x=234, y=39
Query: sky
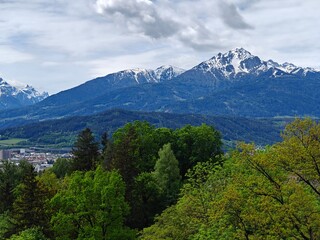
x=55, y=45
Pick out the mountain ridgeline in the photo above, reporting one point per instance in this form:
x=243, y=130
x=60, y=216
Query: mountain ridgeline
x=235, y=83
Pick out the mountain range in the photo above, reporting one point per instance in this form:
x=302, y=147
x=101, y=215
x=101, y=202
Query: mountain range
x=235, y=83
x=18, y=96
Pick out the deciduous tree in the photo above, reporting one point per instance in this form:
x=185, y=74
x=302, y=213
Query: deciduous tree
x=91, y=205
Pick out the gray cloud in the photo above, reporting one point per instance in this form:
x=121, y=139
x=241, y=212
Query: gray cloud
x=164, y=20
x=231, y=16
x=139, y=15
x=177, y=20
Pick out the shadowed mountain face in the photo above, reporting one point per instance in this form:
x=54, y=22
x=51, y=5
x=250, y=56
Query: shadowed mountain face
x=235, y=83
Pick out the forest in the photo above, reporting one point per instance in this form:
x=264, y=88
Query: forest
x=151, y=183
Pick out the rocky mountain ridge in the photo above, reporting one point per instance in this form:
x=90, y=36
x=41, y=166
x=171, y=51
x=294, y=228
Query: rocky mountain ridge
x=14, y=97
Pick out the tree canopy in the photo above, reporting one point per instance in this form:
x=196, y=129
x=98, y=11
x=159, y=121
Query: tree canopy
x=91, y=205
x=269, y=193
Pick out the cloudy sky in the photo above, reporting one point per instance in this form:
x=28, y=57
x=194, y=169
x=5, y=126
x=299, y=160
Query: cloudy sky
x=58, y=44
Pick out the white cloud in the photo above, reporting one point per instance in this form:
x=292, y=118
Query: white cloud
x=285, y=31
x=10, y=55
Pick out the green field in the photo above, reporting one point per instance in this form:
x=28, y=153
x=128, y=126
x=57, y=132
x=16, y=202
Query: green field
x=11, y=141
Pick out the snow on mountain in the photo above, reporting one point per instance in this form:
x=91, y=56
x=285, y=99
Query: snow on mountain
x=291, y=68
x=140, y=75
x=12, y=96
x=240, y=62
x=167, y=72
x=232, y=64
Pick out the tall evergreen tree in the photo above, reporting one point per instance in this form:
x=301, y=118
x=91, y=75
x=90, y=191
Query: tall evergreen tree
x=29, y=205
x=9, y=179
x=167, y=174
x=125, y=158
x=85, y=151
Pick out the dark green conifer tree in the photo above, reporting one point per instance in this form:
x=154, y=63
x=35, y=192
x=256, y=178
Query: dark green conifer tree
x=29, y=208
x=9, y=179
x=85, y=151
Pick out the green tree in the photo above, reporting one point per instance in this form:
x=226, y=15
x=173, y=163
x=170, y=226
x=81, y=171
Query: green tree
x=142, y=139
x=85, y=151
x=5, y=225
x=252, y=196
x=167, y=174
x=299, y=153
x=125, y=156
x=91, y=205
x=9, y=179
x=29, y=208
x=196, y=144
x=29, y=234
x=49, y=182
x=185, y=218
x=148, y=200
x=62, y=167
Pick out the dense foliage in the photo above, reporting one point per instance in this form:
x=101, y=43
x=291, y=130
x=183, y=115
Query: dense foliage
x=157, y=183
x=109, y=193
x=270, y=193
x=91, y=205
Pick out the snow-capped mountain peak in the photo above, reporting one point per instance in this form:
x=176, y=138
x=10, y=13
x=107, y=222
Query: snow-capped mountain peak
x=240, y=62
x=232, y=63
x=12, y=96
x=167, y=72
x=140, y=75
x=291, y=68
x=239, y=53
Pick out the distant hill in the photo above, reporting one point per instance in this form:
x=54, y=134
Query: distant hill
x=63, y=132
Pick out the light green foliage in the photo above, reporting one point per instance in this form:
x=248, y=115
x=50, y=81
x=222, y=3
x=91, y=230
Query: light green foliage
x=167, y=174
x=29, y=234
x=91, y=205
x=5, y=225
x=11, y=142
x=299, y=153
x=184, y=219
x=258, y=194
